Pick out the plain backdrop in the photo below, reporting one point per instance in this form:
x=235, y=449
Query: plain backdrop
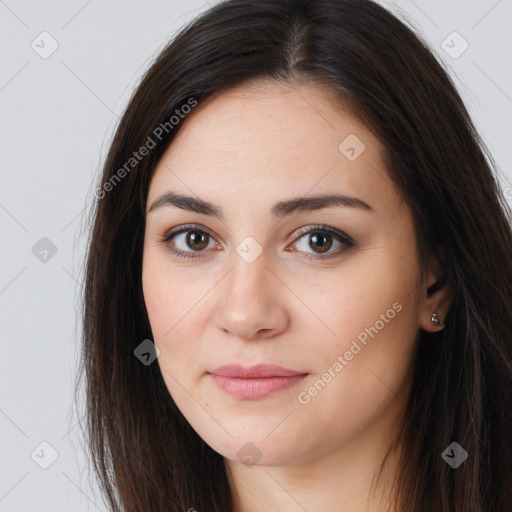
x=57, y=114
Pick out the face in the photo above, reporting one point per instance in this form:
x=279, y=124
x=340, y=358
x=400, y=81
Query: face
x=326, y=288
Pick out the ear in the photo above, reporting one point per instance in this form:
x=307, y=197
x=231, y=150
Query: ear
x=436, y=297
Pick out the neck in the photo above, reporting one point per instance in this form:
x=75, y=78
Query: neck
x=347, y=479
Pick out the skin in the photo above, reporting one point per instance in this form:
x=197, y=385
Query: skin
x=246, y=149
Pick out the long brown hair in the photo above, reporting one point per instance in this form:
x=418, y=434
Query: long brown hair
x=146, y=455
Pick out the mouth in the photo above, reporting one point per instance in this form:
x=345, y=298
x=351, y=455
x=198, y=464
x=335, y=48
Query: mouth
x=255, y=382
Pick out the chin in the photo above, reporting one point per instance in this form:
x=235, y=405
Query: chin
x=257, y=450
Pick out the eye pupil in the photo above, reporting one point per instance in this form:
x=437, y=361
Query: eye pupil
x=196, y=237
x=319, y=242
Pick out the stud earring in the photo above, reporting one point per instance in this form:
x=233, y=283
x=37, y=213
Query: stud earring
x=435, y=319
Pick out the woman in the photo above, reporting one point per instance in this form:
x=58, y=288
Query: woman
x=298, y=281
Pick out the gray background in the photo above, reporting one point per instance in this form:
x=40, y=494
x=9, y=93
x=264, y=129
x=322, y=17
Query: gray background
x=57, y=116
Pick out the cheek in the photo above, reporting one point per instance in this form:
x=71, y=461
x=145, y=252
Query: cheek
x=157, y=298
x=355, y=298
x=370, y=317
x=177, y=314
x=168, y=296
x=358, y=372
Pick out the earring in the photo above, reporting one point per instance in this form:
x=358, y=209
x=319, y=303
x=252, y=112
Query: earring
x=435, y=319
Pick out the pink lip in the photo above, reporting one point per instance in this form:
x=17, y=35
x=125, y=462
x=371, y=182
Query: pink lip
x=254, y=382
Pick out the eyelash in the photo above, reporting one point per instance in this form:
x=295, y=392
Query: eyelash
x=342, y=237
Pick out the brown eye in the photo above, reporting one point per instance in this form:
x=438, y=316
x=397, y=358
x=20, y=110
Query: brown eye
x=187, y=241
x=196, y=240
x=322, y=242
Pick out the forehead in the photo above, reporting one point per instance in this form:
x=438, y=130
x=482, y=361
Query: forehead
x=262, y=139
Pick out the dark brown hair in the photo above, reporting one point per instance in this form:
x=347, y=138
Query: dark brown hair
x=148, y=458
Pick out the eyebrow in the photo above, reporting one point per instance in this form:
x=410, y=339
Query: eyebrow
x=279, y=210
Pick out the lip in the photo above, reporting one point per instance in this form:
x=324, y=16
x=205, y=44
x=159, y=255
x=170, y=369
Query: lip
x=258, y=371
x=256, y=381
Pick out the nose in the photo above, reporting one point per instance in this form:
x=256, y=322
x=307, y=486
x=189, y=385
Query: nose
x=251, y=300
